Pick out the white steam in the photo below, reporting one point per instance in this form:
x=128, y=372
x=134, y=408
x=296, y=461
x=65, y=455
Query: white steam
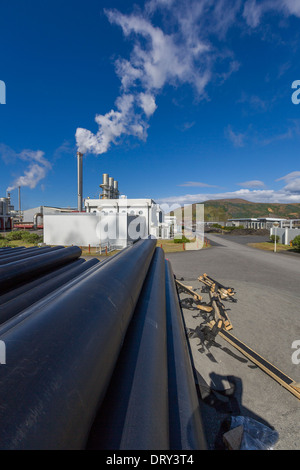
x=37, y=168
x=178, y=51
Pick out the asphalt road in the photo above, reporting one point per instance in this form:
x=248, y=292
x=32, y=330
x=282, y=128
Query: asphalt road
x=265, y=317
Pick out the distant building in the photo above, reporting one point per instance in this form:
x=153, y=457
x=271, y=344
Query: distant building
x=33, y=218
x=260, y=222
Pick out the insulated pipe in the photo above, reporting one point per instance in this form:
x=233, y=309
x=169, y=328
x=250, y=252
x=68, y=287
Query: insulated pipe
x=186, y=428
x=26, y=286
x=28, y=253
x=24, y=300
x=134, y=414
x=35, y=219
x=13, y=273
x=60, y=358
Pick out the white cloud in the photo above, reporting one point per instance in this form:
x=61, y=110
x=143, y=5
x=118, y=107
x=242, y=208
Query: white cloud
x=292, y=181
x=270, y=196
x=254, y=10
x=176, y=52
x=253, y=184
x=238, y=139
x=196, y=184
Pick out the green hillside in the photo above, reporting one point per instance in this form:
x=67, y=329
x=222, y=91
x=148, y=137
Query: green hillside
x=224, y=209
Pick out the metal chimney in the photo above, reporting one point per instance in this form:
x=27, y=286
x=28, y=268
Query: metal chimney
x=111, y=188
x=105, y=186
x=116, y=190
x=79, y=180
x=19, y=199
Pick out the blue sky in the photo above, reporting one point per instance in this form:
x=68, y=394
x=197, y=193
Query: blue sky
x=181, y=101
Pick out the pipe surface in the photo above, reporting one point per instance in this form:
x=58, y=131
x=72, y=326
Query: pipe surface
x=28, y=311
x=61, y=357
x=186, y=428
x=134, y=414
x=5, y=251
x=25, y=299
x=13, y=273
x=26, y=286
x=28, y=253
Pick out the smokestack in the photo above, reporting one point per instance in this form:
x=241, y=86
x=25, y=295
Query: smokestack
x=19, y=199
x=105, y=186
x=111, y=188
x=79, y=181
x=116, y=190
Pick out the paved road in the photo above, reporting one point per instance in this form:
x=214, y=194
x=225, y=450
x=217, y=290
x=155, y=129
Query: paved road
x=265, y=317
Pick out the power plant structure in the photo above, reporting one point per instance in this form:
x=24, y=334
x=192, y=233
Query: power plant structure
x=6, y=213
x=111, y=221
x=110, y=189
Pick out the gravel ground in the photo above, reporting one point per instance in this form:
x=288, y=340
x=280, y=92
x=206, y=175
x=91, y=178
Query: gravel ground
x=265, y=317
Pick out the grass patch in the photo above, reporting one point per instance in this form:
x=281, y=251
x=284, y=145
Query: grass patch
x=268, y=246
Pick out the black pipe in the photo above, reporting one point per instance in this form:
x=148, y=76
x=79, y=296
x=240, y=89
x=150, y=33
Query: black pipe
x=13, y=273
x=134, y=414
x=24, y=300
x=186, y=428
x=59, y=360
x=10, y=250
x=28, y=253
x=26, y=286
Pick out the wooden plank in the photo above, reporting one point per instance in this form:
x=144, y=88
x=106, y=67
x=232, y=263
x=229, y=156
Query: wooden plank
x=280, y=377
x=188, y=290
x=220, y=313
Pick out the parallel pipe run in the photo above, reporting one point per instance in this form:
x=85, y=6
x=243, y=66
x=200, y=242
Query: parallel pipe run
x=6, y=251
x=134, y=414
x=26, y=286
x=186, y=428
x=77, y=337
x=28, y=253
x=12, y=322
x=24, y=300
x=14, y=273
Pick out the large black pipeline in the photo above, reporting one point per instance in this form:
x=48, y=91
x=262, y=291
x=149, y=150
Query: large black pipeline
x=8, y=296
x=24, y=300
x=186, y=428
x=10, y=250
x=26, y=286
x=13, y=273
x=134, y=414
x=60, y=359
x=28, y=253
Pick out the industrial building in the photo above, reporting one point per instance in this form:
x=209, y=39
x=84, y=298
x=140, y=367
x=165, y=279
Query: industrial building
x=112, y=220
x=262, y=222
x=33, y=218
x=6, y=213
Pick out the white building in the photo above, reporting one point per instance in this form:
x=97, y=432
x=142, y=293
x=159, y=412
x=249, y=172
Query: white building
x=257, y=223
x=156, y=223
x=114, y=231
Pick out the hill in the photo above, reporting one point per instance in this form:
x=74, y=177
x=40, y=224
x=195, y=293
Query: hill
x=224, y=209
